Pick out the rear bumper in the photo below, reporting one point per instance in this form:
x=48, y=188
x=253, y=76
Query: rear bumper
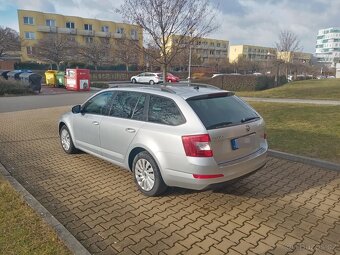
x=230, y=171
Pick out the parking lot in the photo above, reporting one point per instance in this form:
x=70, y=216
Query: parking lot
x=285, y=207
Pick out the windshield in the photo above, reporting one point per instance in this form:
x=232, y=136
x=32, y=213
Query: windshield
x=222, y=110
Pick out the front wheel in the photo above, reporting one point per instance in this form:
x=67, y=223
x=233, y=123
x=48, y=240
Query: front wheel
x=147, y=175
x=66, y=141
x=134, y=81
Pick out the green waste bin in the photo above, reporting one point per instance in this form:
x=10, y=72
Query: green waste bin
x=50, y=78
x=60, y=79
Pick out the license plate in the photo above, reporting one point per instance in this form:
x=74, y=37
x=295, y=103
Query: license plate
x=244, y=141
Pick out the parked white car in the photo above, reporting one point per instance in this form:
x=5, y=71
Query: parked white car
x=151, y=78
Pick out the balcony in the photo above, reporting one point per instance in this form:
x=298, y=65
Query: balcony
x=47, y=29
x=64, y=30
x=103, y=34
x=118, y=35
x=86, y=32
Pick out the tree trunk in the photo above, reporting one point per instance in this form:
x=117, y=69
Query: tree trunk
x=127, y=67
x=165, y=71
x=58, y=66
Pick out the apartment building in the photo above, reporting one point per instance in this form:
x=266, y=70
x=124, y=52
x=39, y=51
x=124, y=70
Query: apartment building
x=34, y=25
x=295, y=57
x=210, y=51
x=327, y=48
x=251, y=52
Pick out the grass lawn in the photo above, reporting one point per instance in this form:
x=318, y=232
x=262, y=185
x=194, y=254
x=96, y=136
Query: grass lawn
x=309, y=89
x=307, y=130
x=21, y=230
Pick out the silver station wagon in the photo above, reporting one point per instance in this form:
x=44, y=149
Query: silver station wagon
x=190, y=136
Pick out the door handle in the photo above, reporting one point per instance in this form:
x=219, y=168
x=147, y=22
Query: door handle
x=95, y=123
x=130, y=130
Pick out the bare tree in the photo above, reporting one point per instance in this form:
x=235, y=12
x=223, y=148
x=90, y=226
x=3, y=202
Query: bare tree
x=9, y=40
x=126, y=52
x=55, y=49
x=162, y=19
x=96, y=52
x=288, y=43
x=181, y=61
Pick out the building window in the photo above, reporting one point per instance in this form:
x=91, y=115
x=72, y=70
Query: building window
x=30, y=50
x=28, y=20
x=218, y=45
x=89, y=39
x=120, y=30
x=88, y=27
x=211, y=52
x=50, y=23
x=133, y=33
x=105, y=29
x=70, y=25
x=30, y=35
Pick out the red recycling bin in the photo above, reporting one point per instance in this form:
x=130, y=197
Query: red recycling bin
x=77, y=79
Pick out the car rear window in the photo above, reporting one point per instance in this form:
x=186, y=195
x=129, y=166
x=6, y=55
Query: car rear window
x=221, y=110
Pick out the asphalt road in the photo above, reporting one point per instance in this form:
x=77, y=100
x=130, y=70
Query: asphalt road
x=20, y=103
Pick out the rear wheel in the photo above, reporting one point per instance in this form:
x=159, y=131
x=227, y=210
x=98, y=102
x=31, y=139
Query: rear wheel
x=151, y=82
x=147, y=175
x=66, y=141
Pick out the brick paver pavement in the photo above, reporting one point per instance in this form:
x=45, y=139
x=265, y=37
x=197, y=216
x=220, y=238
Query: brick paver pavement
x=285, y=208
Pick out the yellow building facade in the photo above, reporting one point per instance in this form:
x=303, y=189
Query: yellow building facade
x=34, y=25
x=210, y=51
x=251, y=52
x=295, y=57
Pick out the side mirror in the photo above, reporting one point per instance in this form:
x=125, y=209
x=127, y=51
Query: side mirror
x=76, y=109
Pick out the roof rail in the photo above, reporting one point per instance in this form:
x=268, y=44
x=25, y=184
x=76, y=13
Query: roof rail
x=198, y=85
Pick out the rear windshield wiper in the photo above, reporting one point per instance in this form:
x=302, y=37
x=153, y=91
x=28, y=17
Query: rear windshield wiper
x=249, y=119
x=219, y=125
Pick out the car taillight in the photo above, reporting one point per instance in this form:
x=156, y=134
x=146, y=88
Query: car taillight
x=197, y=145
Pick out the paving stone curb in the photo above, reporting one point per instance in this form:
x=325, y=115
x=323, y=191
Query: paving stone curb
x=305, y=160
x=64, y=235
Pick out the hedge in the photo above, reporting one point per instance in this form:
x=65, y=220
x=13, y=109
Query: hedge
x=11, y=87
x=243, y=82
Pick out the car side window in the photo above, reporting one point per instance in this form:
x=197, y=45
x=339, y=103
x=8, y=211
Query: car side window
x=129, y=105
x=164, y=111
x=99, y=104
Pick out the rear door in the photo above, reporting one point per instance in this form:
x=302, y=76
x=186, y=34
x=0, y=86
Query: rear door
x=117, y=130
x=235, y=129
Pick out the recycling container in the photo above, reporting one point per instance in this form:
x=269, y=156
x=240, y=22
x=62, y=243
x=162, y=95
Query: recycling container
x=60, y=76
x=3, y=74
x=77, y=79
x=14, y=75
x=50, y=78
x=32, y=80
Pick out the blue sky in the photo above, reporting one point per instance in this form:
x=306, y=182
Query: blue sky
x=255, y=22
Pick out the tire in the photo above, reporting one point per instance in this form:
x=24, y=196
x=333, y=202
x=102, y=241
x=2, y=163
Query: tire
x=66, y=141
x=151, y=82
x=169, y=81
x=143, y=179
x=134, y=81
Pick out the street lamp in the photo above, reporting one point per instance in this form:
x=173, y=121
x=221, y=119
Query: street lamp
x=189, y=67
